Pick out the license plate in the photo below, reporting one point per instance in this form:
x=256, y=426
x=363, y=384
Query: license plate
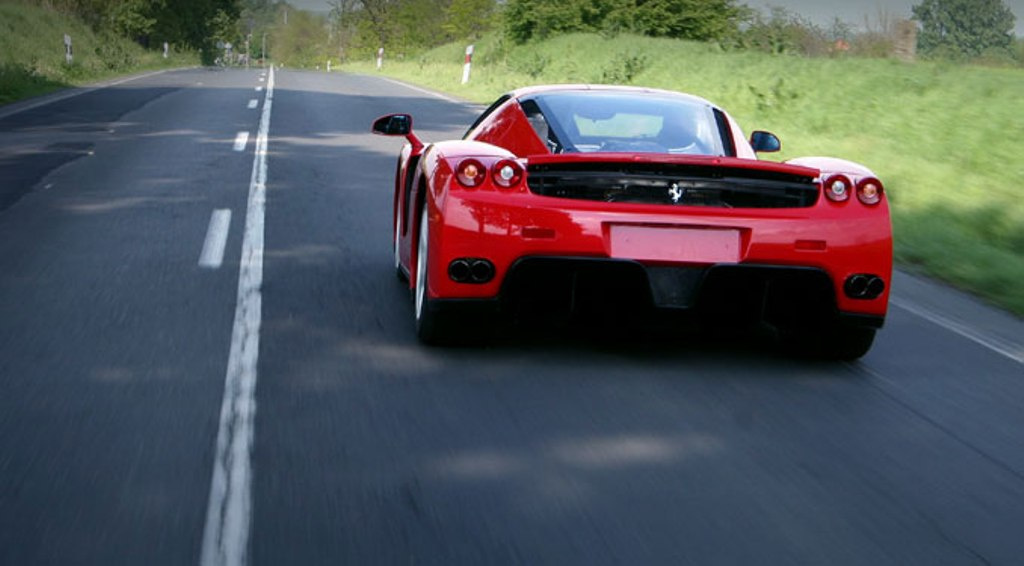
x=661, y=243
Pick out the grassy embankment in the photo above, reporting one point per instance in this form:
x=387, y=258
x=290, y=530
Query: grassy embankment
x=943, y=138
x=32, y=53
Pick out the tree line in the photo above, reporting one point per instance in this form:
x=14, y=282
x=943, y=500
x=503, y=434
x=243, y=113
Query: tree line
x=961, y=29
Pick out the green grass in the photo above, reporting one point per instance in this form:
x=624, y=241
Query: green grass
x=32, y=53
x=943, y=138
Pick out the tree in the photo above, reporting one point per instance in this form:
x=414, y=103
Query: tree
x=963, y=27
x=700, y=20
x=468, y=19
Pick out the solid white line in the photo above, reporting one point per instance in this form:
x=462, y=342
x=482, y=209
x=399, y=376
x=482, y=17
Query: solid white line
x=240, y=140
x=253, y=103
x=425, y=91
x=228, y=515
x=1013, y=351
x=216, y=238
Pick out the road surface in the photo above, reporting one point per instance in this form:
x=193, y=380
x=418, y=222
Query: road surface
x=206, y=358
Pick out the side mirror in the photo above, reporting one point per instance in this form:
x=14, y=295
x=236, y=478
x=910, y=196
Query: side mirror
x=393, y=125
x=766, y=142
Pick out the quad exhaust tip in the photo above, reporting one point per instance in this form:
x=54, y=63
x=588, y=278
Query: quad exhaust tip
x=471, y=270
x=864, y=286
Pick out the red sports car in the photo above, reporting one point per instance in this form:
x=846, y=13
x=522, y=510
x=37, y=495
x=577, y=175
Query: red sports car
x=633, y=201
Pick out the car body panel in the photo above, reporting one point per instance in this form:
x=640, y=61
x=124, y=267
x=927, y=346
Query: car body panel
x=505, y=226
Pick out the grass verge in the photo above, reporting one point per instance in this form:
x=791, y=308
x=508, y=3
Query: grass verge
x=32, y=53
x=942, y=137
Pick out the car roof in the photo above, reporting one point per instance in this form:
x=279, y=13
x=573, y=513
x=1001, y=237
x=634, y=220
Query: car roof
x=543, y=89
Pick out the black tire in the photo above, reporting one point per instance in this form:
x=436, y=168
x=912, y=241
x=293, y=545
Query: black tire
x=399, y=272
x=437, y=323
x=836, y=342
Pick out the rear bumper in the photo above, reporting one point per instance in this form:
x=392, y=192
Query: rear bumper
x=543, y=237
x=588, y=289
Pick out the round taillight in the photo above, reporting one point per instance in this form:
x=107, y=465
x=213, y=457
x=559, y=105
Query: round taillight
x=470, y=173
x=869, y=191
x=507, y=173
x=837, y=188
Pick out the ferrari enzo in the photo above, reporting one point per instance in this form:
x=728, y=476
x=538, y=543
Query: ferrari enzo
x=635, y=202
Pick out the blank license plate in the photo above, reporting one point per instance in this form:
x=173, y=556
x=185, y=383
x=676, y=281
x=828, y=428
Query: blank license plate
x=693, y=245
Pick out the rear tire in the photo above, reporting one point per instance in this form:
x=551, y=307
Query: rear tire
x=438, y=324
x=836, y=342
x=432, y=327
x=399, y=272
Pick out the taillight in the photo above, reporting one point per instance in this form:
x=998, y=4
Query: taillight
x=507, y=173
x=470, y=173
x=837, y=188
x=869, y=190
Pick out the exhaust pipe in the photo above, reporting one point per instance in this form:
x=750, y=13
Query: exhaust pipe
x=471, y=270
x=481, y=270
x=864, y=286
x=459, y=271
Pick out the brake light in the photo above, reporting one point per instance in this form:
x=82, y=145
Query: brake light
x=837, y=188
x=470, y=173
x=507, y=173
x=869, y=191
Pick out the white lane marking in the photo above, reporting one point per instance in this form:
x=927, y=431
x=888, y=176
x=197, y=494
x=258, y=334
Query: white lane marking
x=216, y=238
x=253, y=103
x=1002, y=347
x=57, y=98
x=425, y=91
x=259, y=88
x=240, y=140
x=261, y=78
x=228, y=515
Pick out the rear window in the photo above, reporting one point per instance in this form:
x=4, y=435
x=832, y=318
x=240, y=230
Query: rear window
x=594, y=121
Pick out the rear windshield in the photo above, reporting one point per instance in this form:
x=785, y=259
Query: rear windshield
x=593, y=121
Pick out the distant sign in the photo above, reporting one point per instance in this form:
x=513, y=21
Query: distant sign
x=68, y=54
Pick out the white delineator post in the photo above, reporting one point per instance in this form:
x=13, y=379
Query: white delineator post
x=166, y=49
x=68, y=55
x=469, y=62
x=380, y=58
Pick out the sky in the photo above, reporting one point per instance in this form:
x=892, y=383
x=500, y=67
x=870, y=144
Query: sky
x=818, y=11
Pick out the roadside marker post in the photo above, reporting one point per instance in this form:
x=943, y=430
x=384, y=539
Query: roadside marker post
x=166, y=49
x=380, y=58
x=469, y=62
x=68, y=54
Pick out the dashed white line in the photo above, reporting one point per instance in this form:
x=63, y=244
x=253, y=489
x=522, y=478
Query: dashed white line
x=228, y=514
x=240, y=140
x=253, y=103
x=1012, y=351
x=216, y=237
x=259, y=88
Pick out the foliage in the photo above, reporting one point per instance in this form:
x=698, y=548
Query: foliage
x=527, y=20
x=186, y=24
x=963, y=28
x=469, y=19
x=302, y=42
x=32, y=52
x=624, y=67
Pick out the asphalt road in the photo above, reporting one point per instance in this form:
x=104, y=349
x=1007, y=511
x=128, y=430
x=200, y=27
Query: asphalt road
x=346, y=442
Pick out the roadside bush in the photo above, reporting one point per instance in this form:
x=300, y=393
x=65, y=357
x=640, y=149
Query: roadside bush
x=623, y=68
x=18, y=81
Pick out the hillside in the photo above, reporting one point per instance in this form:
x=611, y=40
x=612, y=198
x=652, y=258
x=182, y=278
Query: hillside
x=32, y=53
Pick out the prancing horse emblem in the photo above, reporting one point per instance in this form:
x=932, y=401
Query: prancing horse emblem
x=675, y=192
